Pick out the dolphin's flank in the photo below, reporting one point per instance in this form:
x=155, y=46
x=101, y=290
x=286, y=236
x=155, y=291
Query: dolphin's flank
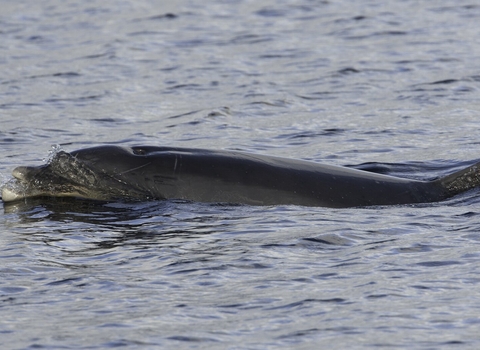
x=111, y=173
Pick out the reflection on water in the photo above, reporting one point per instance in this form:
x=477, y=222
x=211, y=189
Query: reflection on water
x=172, y=265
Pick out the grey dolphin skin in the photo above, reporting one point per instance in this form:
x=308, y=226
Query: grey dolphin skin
x=150, y=173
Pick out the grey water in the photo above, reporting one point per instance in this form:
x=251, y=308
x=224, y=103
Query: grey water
x=339, y=82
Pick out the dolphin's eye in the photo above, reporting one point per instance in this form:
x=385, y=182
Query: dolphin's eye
x=139, y=151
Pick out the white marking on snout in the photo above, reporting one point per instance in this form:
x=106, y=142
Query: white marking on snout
x=9, y=195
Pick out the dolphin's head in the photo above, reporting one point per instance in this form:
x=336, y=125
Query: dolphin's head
x=94, y=173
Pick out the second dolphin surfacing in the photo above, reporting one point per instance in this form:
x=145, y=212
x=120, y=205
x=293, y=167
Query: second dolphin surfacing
x=150, y=173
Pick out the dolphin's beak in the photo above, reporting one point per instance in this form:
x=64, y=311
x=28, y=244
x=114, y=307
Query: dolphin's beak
x=16, y=189
x=12, y=191
x=9, y=195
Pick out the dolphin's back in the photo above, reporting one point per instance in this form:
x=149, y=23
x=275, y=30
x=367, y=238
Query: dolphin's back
x=236, y=177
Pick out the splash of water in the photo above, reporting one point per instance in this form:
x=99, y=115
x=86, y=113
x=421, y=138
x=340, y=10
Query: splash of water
x=54, y=150
x=15, y=187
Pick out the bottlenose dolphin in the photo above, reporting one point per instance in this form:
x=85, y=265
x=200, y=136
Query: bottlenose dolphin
x=149, y=173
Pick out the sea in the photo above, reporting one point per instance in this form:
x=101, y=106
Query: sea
x=340, y=82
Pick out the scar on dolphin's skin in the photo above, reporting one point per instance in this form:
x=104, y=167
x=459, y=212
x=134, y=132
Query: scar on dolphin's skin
x=112, y=173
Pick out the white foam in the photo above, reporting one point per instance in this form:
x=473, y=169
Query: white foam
x=55, y=149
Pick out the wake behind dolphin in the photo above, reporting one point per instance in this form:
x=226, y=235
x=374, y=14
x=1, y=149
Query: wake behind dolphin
x=111, y=173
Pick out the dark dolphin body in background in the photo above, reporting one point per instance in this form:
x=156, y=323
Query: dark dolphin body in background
x=146, y=173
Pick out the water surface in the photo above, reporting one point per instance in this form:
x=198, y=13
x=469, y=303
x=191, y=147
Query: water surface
x=340, y=82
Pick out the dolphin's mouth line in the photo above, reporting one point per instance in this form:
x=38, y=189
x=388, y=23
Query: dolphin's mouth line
x=62, y=176
x=20, y=187
x=67, y=176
